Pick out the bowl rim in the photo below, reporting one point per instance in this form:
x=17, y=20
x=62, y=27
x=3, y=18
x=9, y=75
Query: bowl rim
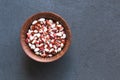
x=40, y=59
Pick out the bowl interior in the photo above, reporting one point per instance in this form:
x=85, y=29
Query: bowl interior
x=26, y=26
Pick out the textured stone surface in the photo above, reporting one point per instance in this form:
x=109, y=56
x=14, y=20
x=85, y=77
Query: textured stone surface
x=95, y=50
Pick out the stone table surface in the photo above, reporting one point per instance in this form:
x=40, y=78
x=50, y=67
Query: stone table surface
x=95, y=50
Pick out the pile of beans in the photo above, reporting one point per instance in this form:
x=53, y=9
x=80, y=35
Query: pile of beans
x=46, y=37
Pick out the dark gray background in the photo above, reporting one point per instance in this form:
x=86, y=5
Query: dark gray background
x=95, y=50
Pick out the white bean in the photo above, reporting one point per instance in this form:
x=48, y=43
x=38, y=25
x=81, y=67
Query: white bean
x=59, y=49
x=36, y=49
x=41, y=19
x=34, y=22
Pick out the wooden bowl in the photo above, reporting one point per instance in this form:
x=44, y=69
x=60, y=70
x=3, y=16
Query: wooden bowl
x=26, y=26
